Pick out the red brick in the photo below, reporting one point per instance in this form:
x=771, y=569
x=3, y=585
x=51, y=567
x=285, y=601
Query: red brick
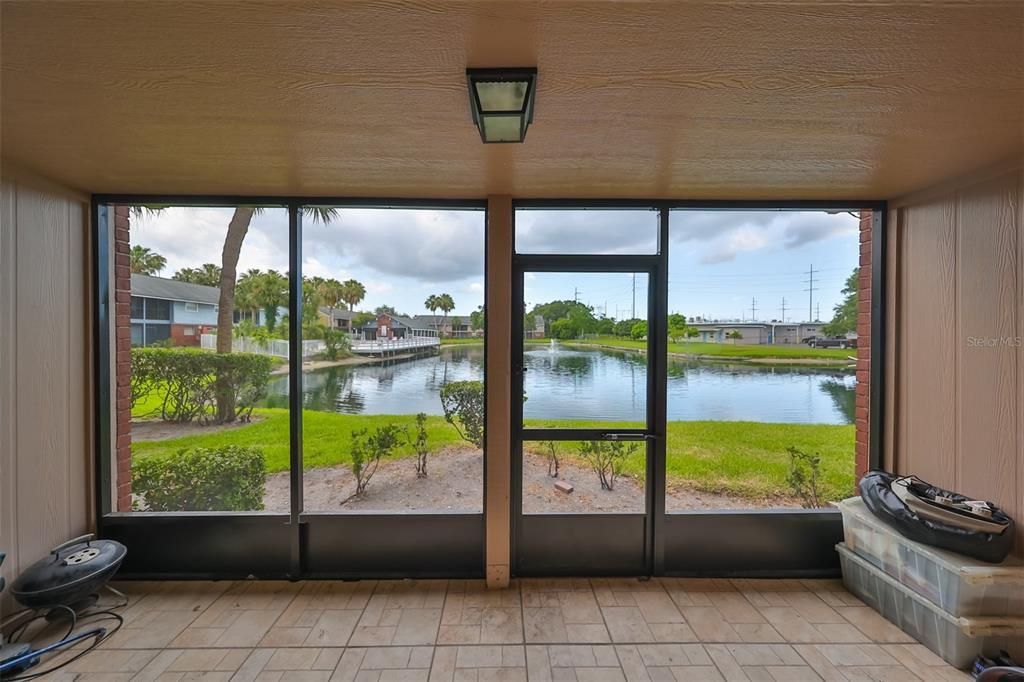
x=121, y=247
x=124, y=441
x=123, y=271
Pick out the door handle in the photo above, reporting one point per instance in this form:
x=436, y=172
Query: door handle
x=629, y=436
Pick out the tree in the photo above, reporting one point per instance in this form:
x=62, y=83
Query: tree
x=352, y=293
x=385, y=309
x=844, y=319
x=361, y=319
x=625, y=327
x=446, y=304
x=271, y=292
x=432, y=304
x=245, y=291
x=238, y=227
x=332, y=294
x=734, y=336
x=207, y=274
x=639, y=330
x=145, y=261
x=564, y=329
x=477, y=318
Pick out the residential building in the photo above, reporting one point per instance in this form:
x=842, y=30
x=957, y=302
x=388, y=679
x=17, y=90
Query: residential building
x=168, y=311
x=455, y=326
x=337, y=318
x=388, y=326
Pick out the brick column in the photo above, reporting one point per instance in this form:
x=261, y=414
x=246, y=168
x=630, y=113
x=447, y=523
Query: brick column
x=863, y=411
x=122, y=359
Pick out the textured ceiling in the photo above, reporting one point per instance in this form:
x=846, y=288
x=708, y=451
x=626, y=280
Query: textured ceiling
x=726, y=100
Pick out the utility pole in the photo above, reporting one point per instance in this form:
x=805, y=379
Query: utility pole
x=817, y=312
x=634, y=296
x=753, y=309
x=575, y=295
x=783, y=308
x=810, y=294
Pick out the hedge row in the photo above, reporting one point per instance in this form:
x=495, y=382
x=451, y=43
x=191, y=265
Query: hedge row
x=230, y=478
x=186, y=381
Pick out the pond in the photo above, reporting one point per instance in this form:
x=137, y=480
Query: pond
x=570, y=383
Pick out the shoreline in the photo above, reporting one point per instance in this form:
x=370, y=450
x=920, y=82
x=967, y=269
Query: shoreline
x=810, y=362
x=312, y=365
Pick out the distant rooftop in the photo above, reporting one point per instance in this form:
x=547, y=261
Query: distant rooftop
x=173, y=290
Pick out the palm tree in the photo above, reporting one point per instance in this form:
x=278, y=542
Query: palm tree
x=271, y=292
x=446, y=304
x=145, y=261
x=245, y=291
x=332, y=292
x=207, y=275
x=238, y=227
x=432, y=303
x=354, y=292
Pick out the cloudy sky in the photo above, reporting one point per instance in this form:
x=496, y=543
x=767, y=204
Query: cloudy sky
x=718, y=260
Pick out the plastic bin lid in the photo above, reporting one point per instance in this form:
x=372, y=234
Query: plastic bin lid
x=972, y=571
x=980, y=626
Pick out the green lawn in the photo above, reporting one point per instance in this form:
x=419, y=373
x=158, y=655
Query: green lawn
x=726, y=349
x=462, y=342
x=747, y=459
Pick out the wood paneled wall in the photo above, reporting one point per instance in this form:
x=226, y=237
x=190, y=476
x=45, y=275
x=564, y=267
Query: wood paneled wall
x=955, y=400
x=45, y=355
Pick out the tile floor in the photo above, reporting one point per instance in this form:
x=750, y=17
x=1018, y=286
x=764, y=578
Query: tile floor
x=561, y=630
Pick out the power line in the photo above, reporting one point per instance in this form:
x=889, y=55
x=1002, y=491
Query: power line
x=783, y=308
x=810, y=293
x=634, y=296
x=753, y=309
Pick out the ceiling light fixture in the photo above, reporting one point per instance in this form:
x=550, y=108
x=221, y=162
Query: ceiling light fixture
x=501, y=101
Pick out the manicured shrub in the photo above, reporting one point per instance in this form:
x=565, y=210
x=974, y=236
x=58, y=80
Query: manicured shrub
x=606, y=459
x=368, y=448
x=417, y=440
x=802, y=479
x=229, y=478
x=463, y=405
x=186, y=381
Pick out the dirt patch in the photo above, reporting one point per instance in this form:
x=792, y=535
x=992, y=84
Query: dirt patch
x=155, y=429
x=455, y=484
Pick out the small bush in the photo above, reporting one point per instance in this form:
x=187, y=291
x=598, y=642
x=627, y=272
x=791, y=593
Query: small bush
x=606, y=459
x=463, y=405
x=367, y=451
x=417, y=440
x=551, y=450
x=802, y=478
x=186, y=379
x=335, y=343
x=229, y=478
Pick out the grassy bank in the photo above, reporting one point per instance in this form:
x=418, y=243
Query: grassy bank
x=746, y=459
x=728, y=350
x=462, y=342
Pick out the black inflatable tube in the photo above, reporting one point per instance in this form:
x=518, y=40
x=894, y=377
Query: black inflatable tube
x=876, y=491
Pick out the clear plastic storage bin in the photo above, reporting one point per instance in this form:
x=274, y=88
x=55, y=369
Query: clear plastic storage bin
x=959, y=585
x=957, y=640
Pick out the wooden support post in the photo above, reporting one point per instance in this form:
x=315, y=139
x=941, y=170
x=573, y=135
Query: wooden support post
x=497, y=467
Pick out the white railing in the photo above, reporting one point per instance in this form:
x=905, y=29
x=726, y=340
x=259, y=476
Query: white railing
x=276, y=347
x=393, y=345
